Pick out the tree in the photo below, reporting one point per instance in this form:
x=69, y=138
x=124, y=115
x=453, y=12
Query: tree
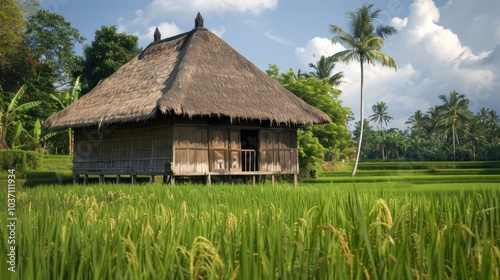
x=332, y=136
x=453, y=112
x=106, y=54
x=380, y=114
x=323, y=70
x=51, y=41
x=363, y=44
x=12, y=114
x=11, y=26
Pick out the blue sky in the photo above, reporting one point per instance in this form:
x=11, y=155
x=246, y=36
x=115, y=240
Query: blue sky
x=441, y=45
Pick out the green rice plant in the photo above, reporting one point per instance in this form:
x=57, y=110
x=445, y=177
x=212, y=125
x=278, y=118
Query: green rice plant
x=317, y=231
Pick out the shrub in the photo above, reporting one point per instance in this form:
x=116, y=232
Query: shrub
x=18, y=159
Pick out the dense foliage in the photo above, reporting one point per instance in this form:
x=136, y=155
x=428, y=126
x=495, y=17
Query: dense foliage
x=318, y=142
x=106, y=54
x=39, y=72
x=447, y=131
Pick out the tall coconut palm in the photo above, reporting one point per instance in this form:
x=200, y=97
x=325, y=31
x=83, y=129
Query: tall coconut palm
x=380, y=114
x=363, y=44
x=323, y=69
x=455, y=110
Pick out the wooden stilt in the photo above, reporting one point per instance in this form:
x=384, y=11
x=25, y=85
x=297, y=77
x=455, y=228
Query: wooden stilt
x=76, y=178
x=101, y=178
x=172, y=180
x=118, y=179
x=295, y=180
x=209, y=180
x=85, y=179
x=133, y=178
x=151, y=178
x=253, y=180
x=272, y=180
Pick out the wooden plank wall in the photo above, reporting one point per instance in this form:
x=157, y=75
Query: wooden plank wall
x=123, y=151
x=278, y=151
x=191, y=149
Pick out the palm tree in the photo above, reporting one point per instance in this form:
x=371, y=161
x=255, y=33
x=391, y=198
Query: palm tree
x=453, y=112
x=363, y=44
x=380, y=114
x=417, y=122
x=323, y=70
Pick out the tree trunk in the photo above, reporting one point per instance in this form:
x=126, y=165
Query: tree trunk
x=362, y=120
x=3, y=139
x=453, y=138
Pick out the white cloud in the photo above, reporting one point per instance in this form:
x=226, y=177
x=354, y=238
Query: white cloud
x=314, y=49
x=167, y=29
x=219, y=31
x=276, y=38
x=188, y=8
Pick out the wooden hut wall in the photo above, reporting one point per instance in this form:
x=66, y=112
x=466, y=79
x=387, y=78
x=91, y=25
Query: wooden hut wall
x=145, y=150
x=190, y=150
x=278, y=151
x=199, y=150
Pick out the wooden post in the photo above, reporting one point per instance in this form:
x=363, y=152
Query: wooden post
x=272, y=180
x=133, y=178
x=85, y=179
x=172, y=180
x=151, y=178
x=101, y=179
x=76, y=178
x=118, y=179
x=295, y=179
x=253, y=180
x=209, y=180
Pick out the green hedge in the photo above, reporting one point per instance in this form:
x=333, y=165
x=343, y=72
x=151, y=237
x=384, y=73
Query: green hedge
x=19, y=160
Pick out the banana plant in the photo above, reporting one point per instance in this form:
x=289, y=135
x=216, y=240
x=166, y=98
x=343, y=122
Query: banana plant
x=66, y=100
x=12, y=114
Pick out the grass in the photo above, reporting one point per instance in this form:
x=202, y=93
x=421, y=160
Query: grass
x=244, y=232
x=405, y=224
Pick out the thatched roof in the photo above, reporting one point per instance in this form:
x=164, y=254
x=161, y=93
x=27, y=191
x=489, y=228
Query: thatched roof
x=191, y=74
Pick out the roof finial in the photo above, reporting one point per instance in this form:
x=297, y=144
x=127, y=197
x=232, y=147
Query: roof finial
x=157, y=35
x=198, y=21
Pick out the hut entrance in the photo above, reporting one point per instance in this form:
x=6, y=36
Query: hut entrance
x=249, y=150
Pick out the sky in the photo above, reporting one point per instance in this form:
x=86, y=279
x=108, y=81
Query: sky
x=440, y=46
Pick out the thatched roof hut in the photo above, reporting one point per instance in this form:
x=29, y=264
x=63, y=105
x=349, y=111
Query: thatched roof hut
x=192, y=74
x=189, y=105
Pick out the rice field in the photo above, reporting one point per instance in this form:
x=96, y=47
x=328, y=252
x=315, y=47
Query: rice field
x=316, y=231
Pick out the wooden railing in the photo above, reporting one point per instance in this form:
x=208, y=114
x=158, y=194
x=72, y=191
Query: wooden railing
x=249, y=160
